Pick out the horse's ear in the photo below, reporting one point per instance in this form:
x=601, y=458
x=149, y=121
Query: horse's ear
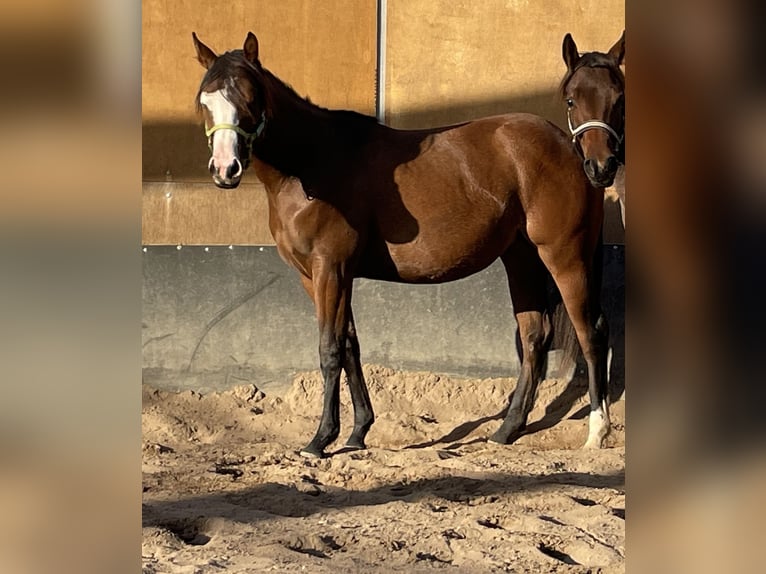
x=618, y=50
x=251, y=49
x=205, y=55
x=569, y=51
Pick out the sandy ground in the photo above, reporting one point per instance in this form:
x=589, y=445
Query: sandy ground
x=226, y=491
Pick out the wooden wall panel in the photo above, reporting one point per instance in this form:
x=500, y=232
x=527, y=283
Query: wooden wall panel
x=448, y=62
x=202, y=214
x=325, y=50
x=445, y=62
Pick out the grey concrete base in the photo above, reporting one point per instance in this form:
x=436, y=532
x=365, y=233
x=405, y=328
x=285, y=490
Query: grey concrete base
x=217, y=317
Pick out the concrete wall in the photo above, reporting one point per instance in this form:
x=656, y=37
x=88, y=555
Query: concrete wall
x=217, y=317
x=242, y=312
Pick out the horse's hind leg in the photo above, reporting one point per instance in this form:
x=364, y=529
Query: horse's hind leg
x=579, y=284
x=363, y=413
x=527, y=281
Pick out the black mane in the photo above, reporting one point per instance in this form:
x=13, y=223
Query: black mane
x=233, y=63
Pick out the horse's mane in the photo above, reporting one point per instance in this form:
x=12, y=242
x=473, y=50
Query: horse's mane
x=594, y=60
x=233, y=63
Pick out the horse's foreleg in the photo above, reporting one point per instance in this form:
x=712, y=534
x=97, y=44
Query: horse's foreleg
x=331, y=293
x=363, y=413
x=526, y=279
x=579, y=291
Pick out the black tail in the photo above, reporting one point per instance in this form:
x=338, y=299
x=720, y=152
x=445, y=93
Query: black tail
x=564, y=335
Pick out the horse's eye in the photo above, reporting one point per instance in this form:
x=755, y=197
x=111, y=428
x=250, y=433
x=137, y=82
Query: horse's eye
x=570, y=102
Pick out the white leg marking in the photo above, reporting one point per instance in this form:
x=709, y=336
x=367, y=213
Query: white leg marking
x=599, y=426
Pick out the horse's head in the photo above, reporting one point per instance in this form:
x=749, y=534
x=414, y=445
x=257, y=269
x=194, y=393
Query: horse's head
x=231, y=99
x=594, y=92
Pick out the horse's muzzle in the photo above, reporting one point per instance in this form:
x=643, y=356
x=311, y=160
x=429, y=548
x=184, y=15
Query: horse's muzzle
x=601, y=175
x=229, y=177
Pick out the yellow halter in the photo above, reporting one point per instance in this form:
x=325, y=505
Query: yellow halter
x=249, y=137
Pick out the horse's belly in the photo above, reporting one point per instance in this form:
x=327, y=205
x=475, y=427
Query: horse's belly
x=434, y=261
x=424, y=266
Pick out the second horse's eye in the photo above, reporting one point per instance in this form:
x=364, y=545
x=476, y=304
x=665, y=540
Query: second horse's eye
x=570, y=102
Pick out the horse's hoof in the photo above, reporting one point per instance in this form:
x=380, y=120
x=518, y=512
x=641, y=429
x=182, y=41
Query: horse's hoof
x=599, y=428
x=595, y=444
x=355, y=445
x=596, y=441
x=505, y=438
x=312, y=452
x=498, y=439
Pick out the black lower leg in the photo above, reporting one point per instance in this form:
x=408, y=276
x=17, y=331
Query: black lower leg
x=330, y=357
x=535, y=342
x=363, y=413
x=598, y=383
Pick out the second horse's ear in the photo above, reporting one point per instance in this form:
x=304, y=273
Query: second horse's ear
x=569, y=51
x=205, y=55
x=618, y=50
x=251, y=49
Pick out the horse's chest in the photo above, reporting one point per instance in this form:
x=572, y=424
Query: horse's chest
x=294, y=242
x=293, y=245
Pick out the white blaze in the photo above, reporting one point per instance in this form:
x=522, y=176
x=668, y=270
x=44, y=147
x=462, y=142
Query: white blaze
x=224, y=141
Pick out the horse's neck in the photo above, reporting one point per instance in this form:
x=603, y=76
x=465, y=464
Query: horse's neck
x=297, y=136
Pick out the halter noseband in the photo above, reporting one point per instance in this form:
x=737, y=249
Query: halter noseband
x=591, y=125
x=250, y=137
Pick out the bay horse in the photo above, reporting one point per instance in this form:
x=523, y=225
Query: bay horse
x=349, y=197
x=594, y=91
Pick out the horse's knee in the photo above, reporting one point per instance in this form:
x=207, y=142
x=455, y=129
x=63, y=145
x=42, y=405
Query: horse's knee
x=331, y=357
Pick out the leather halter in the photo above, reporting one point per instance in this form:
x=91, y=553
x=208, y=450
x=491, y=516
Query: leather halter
x=591, y=125
x=250, y=137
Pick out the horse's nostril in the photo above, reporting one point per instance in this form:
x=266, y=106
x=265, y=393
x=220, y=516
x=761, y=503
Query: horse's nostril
x=611, y=164
x=590, y=166
x=211, y=166
x=234, y=169
x=238, y=170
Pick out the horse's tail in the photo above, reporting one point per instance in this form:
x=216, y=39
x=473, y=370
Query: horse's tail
x=564, y=338
x=563, y=341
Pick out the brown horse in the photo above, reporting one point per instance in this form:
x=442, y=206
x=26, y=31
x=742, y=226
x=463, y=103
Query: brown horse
x=349, y=198
x=594, y=91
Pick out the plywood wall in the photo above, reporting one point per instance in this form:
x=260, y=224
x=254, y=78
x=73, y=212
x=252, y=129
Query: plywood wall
x=452, y=61
x=445, y=62
x=325, y=50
